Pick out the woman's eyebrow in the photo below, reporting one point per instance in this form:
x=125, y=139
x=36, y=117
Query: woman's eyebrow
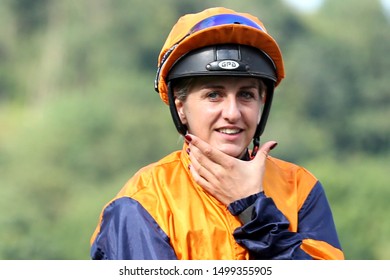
x=246, y=86
x=251, y=84
x=250, y=87
x=207, y=86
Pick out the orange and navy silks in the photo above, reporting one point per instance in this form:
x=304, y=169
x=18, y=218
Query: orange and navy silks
x=161, y=213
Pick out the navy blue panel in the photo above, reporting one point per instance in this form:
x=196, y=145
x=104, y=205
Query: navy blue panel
x=129, y=232
x=267, y=236
x=315, y=218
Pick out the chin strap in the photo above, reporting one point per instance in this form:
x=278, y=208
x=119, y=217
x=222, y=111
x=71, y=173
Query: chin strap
x=263, y=119
x=256, y=144
x=181, y=128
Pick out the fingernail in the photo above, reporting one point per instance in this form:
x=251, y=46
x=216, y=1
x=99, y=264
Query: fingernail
x=188, y=138
x=254, y=152
x=188, y=151
x=273, y=145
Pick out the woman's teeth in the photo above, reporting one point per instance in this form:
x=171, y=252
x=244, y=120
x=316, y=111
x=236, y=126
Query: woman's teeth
x=229, y=130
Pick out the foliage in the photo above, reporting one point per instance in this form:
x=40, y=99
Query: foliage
x=79, y=114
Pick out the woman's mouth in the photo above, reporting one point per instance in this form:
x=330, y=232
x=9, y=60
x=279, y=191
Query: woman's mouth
x=229, y=131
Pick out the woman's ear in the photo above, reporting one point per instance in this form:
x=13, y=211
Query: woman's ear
x=180, y=110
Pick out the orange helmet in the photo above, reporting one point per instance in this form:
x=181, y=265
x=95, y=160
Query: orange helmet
x=210, y=27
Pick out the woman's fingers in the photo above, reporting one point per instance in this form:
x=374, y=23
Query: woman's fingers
x=225, y=177
x=207, y=154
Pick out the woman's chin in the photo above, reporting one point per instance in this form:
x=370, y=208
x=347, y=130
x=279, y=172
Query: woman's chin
x=236, y=152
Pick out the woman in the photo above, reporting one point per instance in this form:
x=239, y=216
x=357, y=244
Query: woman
x=216, y=198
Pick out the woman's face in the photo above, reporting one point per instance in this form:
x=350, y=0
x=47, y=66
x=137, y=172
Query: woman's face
x=223, y=111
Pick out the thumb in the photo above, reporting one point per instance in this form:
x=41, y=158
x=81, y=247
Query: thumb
x=266, y=148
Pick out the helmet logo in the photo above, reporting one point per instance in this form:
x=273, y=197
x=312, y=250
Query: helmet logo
x=228, y=64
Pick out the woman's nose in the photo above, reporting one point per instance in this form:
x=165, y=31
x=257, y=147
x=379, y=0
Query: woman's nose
x=231, y=110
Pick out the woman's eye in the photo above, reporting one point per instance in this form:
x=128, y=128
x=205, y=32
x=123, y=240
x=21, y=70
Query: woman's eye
x=247, y=95
x=213, y=95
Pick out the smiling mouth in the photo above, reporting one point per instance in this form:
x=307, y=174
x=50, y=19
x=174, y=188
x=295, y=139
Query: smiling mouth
x=229, y=131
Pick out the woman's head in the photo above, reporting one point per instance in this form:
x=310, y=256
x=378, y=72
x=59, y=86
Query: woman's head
x=219, y=42
x=222, y=110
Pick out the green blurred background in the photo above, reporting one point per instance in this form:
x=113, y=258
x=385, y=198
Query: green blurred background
x=79, y=114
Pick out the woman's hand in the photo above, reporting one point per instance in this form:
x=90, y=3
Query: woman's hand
x=226, y=178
